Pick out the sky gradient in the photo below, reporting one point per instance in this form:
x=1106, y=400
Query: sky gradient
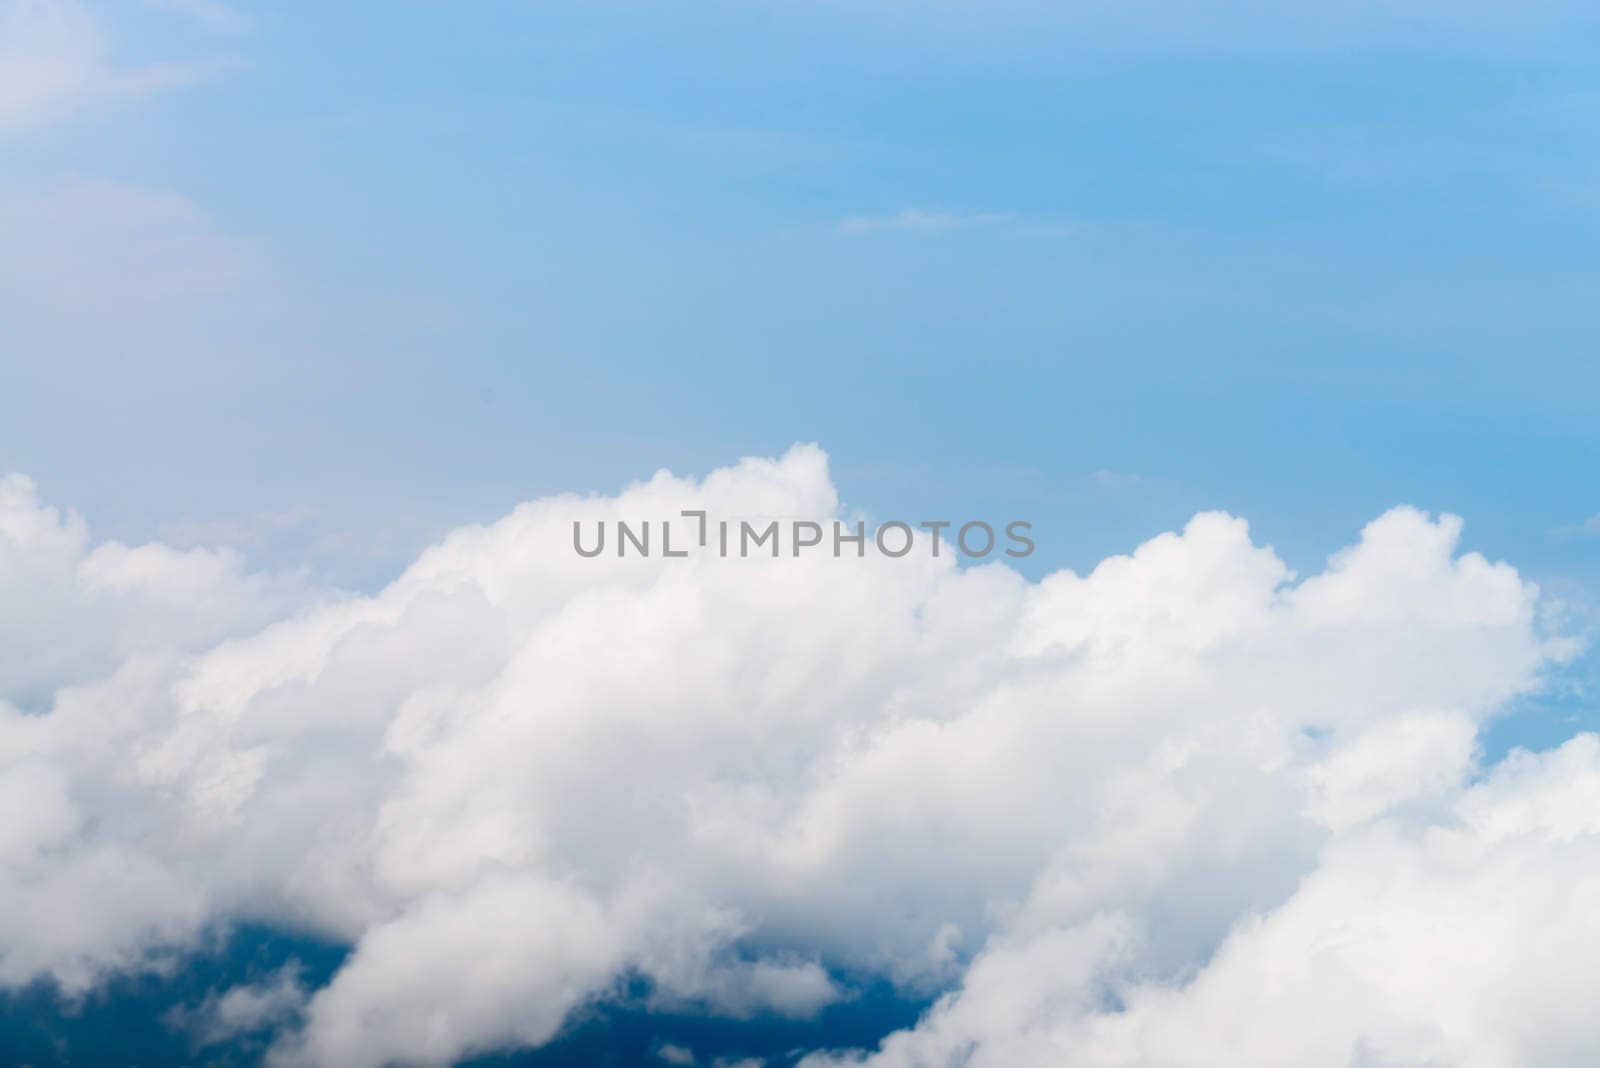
x=319, y=323
x=1109, y=267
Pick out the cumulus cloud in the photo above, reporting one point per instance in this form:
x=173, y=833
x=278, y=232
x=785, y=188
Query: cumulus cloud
x=1186, y=808
x=1455, y=942
x=76, y=611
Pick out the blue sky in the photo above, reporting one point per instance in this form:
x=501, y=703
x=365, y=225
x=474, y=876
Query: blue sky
x=1299, y=268
x=321, y=283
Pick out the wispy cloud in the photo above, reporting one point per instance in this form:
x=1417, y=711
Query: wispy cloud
x=55, y=57
x=917, y=219
x=213, y=14
x=1589, y=528
x=241, y=1010
x=1108, y=479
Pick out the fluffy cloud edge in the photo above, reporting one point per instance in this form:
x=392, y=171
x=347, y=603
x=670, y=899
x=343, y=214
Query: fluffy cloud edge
x=1038, y=795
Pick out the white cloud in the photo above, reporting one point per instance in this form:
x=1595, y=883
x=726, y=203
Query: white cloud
x=76, y=611
x=515, y=778
x=1461, y=941
x=1589, y=528
x=214, y=14
x=673, y=1054
x=143, y=259
x=242, y=1010
x=1113, y=480
x=55, y=57
x=917, y=219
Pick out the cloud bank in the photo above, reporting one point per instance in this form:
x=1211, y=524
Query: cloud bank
x=1185, y=809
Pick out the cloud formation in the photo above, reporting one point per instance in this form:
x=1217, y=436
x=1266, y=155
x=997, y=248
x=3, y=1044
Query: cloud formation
x=1184, y=809
x=916, y=219
x=55, y=57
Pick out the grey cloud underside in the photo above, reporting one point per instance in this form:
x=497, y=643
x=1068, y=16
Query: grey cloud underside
x=1186, y=809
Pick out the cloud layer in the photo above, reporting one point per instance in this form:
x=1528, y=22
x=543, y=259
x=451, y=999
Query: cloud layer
x=1185, y=809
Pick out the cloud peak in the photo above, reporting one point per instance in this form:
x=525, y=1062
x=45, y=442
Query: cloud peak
x=514, y=778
